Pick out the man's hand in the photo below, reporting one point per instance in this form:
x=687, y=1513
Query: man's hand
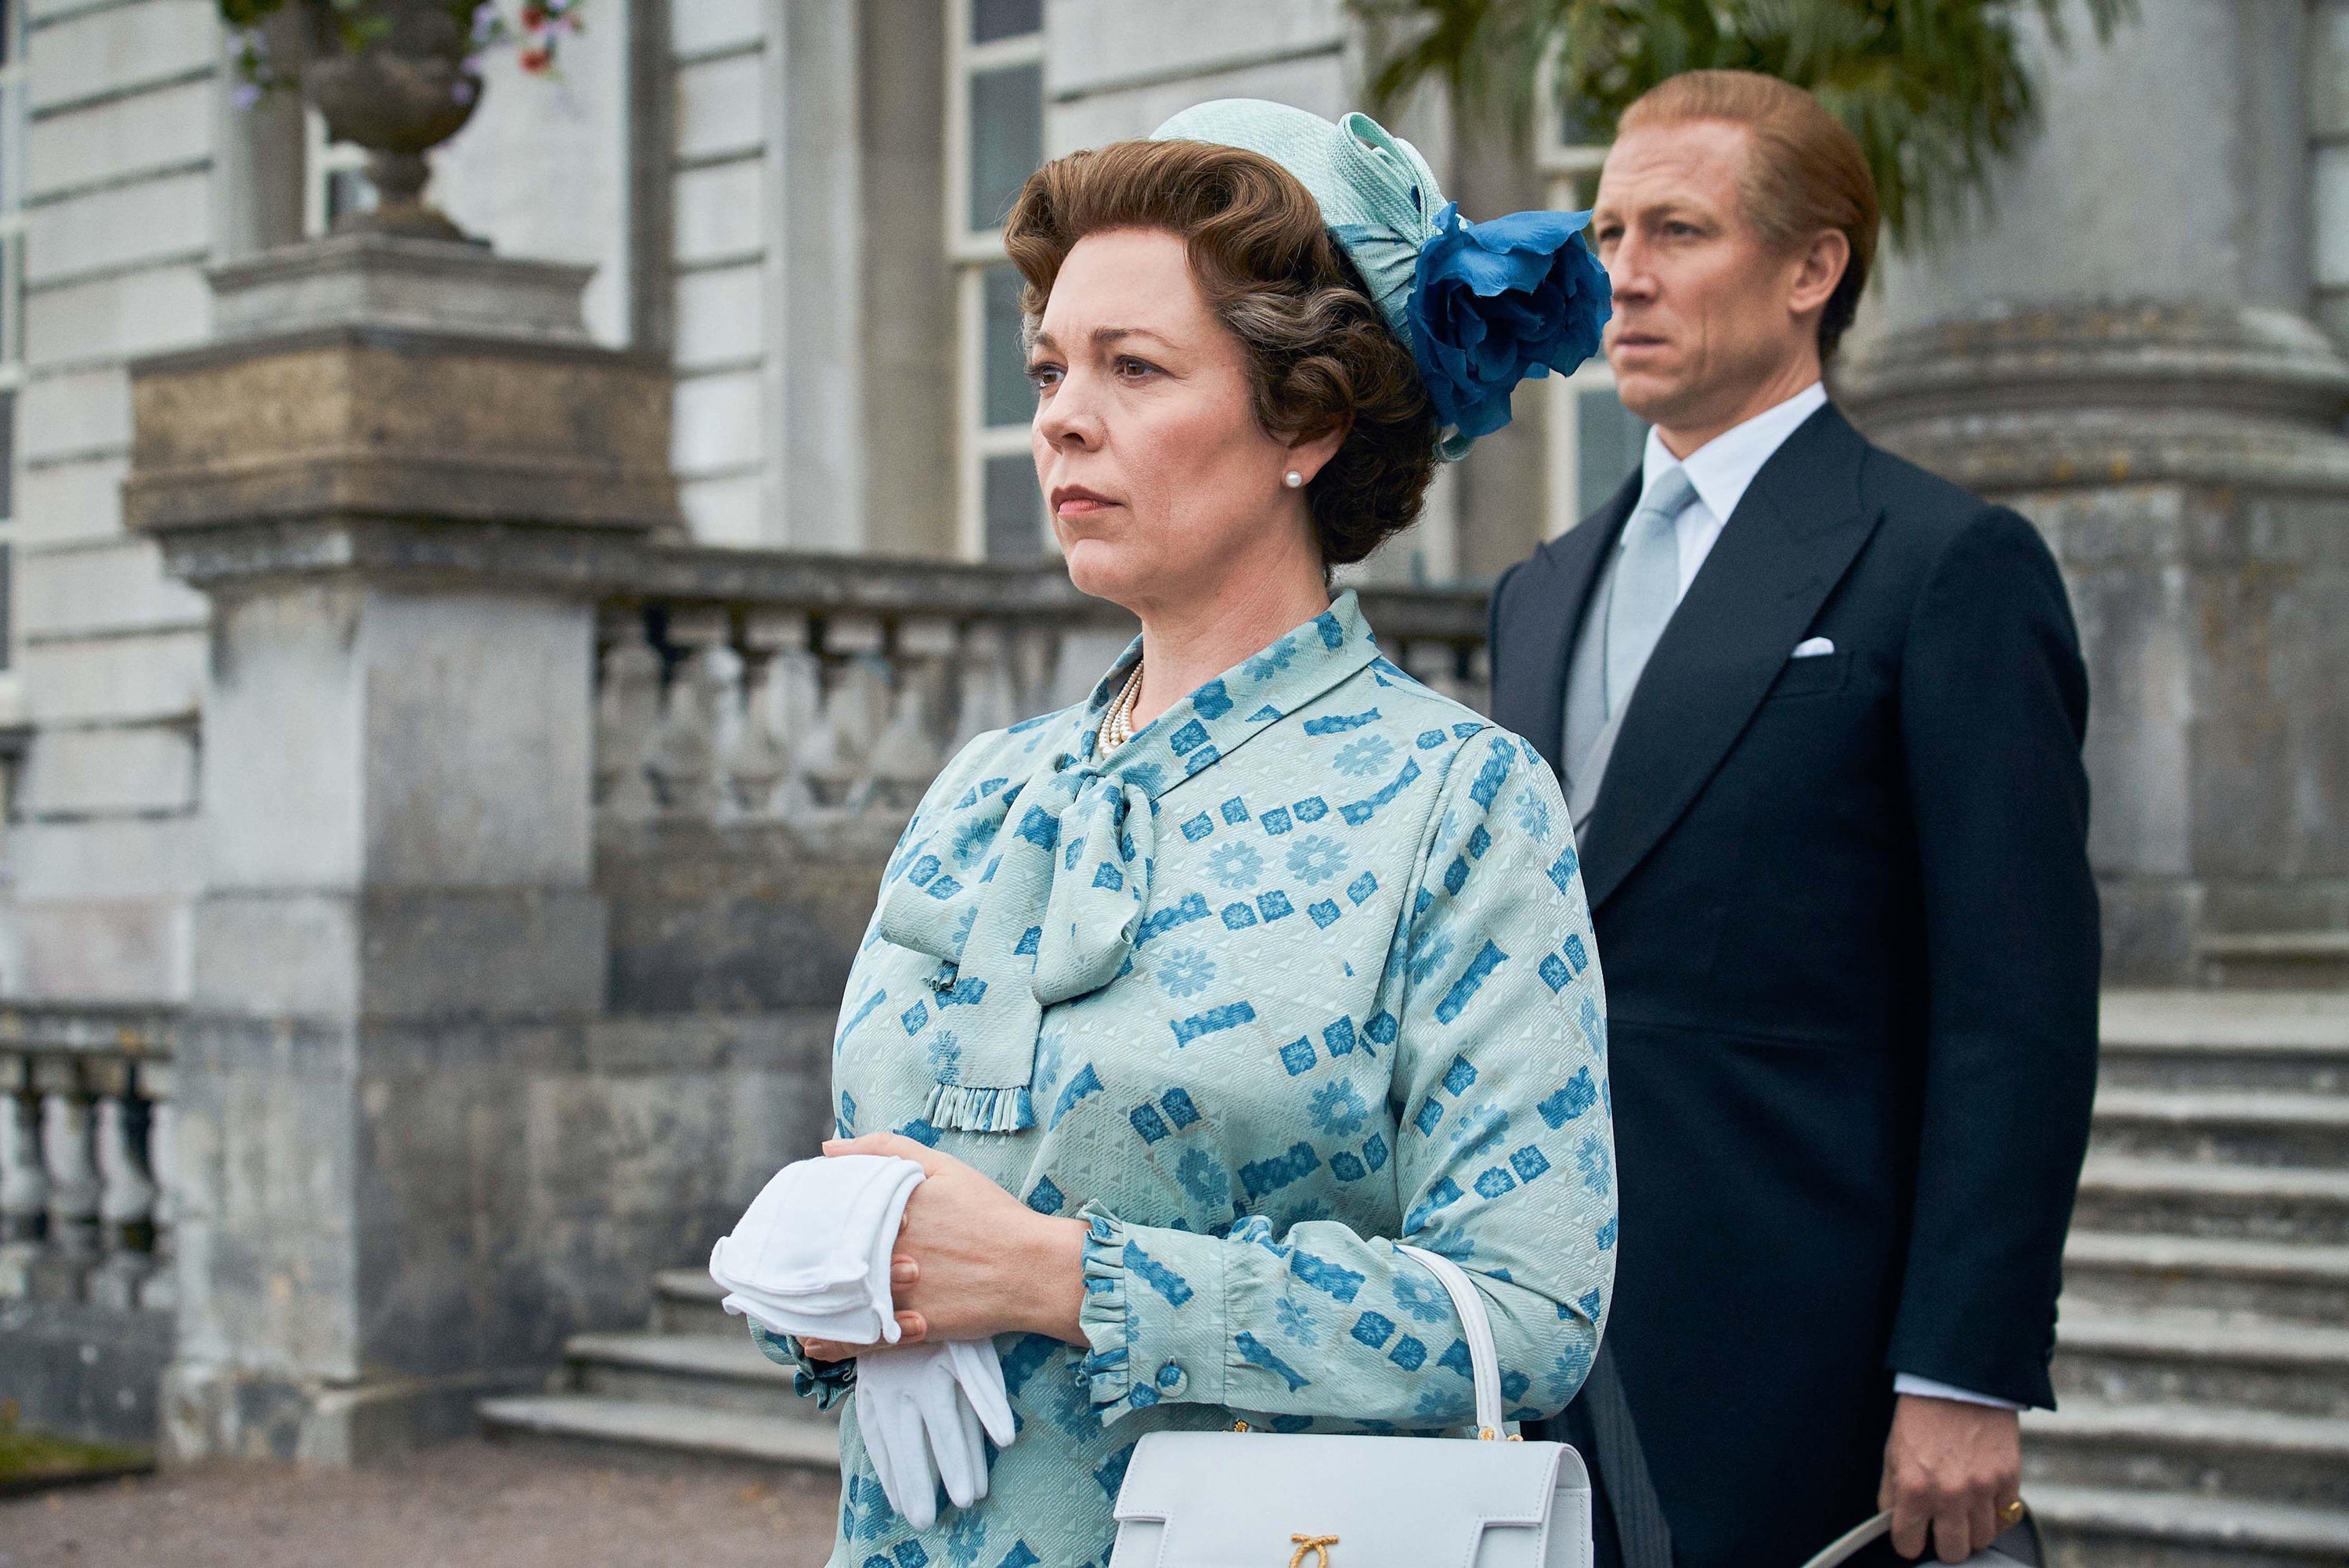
x=1949, y=1468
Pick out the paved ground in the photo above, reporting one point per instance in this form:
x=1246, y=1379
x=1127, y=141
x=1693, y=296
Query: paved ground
x=470, y=1506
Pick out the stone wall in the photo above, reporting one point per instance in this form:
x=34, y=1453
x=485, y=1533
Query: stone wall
x=125, y=121
x=2142, y=372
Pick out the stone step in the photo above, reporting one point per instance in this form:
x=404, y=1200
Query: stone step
x=705, y=1371
x=2252, y=1455
x=2209, y=1359
x=2287, y=959
x=2102, y=1527
x=685, y=1301
x=2255, y=1128
x=647, y=1427
x=2122, y=1276
x=2125, y=1192
x=2285, y=1042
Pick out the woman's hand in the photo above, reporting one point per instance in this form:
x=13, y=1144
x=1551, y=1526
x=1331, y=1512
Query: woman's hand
x=971, y=1260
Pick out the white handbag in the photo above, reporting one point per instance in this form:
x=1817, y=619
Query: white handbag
x=1262, y=1499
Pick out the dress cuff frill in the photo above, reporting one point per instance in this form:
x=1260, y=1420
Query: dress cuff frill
x=1106, y=1368
x=981, y=1109
x=828, y=1382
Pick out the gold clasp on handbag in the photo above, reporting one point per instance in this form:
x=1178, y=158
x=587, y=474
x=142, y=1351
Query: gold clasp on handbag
x=1317, y=1544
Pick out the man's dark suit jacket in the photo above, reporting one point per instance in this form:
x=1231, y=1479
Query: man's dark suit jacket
x=1850, y=944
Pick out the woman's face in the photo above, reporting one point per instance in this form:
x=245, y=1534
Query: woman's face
x=1163, y=488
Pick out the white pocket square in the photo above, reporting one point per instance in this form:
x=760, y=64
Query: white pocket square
x=1812, y=648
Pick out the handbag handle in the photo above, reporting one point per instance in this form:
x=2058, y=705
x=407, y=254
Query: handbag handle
x=1848, y=1544
x=1484, y=1360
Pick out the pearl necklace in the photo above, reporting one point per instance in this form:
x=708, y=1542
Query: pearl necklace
x=1117, y=725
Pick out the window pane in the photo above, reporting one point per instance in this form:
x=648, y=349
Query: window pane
x=348, y=191
x=1014, y=510
x=1007, y=138
x=1609, y=440
x=993, y=19
x=11, y=298
x=8, y=459
x=1010, y=401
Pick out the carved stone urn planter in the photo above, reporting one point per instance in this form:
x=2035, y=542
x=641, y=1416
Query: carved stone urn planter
x=405, y=87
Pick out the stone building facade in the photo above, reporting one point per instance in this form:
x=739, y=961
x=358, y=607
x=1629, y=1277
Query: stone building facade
x=791, y=202
x=422, y=912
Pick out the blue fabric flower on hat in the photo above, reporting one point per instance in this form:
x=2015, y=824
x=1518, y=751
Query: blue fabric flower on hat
x=1496, y=302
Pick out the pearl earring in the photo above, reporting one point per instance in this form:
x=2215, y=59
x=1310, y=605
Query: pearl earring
x=1294, y=480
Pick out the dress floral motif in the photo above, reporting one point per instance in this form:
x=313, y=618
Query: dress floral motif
x=1348, y=996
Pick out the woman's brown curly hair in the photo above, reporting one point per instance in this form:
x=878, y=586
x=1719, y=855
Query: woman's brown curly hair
x=1321, y=356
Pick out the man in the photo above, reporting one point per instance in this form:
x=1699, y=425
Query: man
x=1818, y=716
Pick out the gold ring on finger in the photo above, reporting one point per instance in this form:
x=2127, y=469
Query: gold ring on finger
x=2012, y=1513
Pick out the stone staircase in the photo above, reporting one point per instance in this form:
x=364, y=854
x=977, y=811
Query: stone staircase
x=2202, y=1353
x=690, y=1387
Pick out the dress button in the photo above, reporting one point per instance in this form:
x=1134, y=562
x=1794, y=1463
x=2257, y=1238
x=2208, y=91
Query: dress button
x=1171, y=1378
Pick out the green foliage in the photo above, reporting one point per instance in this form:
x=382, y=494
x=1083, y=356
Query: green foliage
x=1936, y=91
x=29, y=1459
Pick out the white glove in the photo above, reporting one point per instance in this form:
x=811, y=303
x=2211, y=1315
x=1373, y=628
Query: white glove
x=921, y=1409
x=811, y=1255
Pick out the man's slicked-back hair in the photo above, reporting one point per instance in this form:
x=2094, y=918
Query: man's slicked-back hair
x=1321, y=356
x=1806, y=173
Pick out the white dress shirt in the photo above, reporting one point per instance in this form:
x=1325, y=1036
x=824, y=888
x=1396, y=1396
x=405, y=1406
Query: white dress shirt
x=1721, y=471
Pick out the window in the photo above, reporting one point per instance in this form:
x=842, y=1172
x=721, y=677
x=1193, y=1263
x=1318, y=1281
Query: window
x=1594, y=441
x=995, y=139
x=336, y=180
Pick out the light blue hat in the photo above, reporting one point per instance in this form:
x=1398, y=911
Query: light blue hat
x=1480, y=305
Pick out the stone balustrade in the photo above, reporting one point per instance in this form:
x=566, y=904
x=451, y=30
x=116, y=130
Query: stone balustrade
x=86, y=1152
x=746, y=686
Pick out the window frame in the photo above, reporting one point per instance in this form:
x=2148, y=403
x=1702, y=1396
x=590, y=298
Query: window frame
x=973, y=252
x=322, y=159
x=1572, y=170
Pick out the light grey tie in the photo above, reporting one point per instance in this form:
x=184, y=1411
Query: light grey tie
x=1647, y=583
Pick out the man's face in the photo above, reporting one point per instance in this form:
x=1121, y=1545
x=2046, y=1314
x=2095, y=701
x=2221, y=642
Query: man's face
x=1703, y=315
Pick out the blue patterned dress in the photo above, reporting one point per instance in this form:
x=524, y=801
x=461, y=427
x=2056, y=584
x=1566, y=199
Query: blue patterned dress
x=1317, y=974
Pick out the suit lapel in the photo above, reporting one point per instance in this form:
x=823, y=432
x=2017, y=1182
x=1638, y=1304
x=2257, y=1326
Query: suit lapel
x=1790, y=541
x=1529, y=695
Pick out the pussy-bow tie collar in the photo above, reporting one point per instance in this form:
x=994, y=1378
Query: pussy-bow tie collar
x=1030, y=891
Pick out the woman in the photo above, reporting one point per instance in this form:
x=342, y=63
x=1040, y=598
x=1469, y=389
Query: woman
x=1189, y=999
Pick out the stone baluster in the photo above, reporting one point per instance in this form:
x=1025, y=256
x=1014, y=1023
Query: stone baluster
x=126, y=1203
x=627, y=710
x=160, y=1291
x=989, y=695
x=1035, y=669
x=855, y=711
x=759, y=755
x=1435, y=665
x=1477, y=688
x=782, y=705
x=69, y=1157
x=683, y=757
x=23, y=1179
x=905, y=754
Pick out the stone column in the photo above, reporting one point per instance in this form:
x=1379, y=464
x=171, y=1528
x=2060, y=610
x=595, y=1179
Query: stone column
x=2129, y=354
x=383, y=474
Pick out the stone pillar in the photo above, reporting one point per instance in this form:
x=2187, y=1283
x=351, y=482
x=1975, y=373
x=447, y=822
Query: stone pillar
x=2129, y=354
x=380, y=474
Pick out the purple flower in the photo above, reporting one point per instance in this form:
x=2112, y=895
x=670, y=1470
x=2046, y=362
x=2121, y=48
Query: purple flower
x=1497, y=302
